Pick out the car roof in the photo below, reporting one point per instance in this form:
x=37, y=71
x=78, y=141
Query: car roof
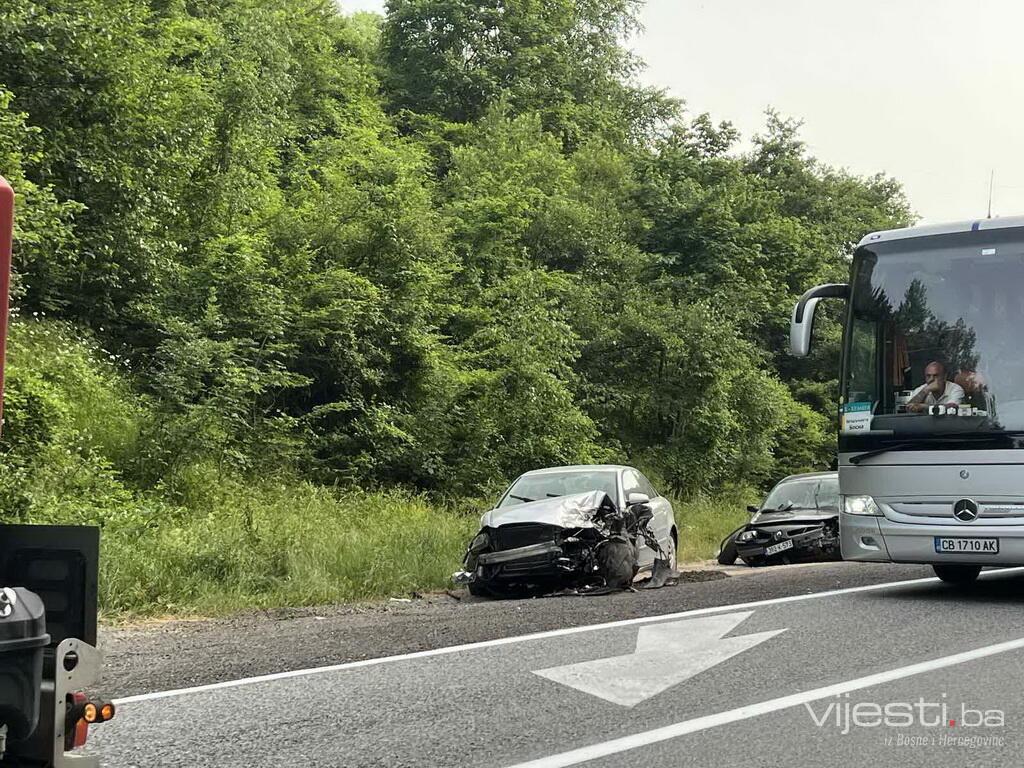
x=578, y=468
x=809, y=476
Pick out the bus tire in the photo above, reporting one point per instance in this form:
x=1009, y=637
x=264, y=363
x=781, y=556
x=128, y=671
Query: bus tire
x=957, y=574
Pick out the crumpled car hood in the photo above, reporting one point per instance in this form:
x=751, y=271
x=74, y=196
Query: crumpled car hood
x=576, y=511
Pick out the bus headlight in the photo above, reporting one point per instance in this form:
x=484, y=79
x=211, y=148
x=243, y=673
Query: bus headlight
x=861, y=505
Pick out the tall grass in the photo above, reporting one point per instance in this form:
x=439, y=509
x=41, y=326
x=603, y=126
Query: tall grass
x=705, y=521
x=290, y=545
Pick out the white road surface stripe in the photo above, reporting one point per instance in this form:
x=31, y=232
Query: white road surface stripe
x=666, y=655
x=615, y=746
x=524, y=638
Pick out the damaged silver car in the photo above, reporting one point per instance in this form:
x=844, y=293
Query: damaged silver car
x=583, y=528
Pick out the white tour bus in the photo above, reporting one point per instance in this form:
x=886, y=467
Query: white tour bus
x=931, y=421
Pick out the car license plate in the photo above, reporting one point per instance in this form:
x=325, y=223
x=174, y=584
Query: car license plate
x=782, y=546
x=955, y=545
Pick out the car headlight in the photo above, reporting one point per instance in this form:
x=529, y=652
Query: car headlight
x=746, y=536
x=860, y=505
x=480, y=542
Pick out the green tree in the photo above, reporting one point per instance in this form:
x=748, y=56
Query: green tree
x=560, y=59
x=434, y=249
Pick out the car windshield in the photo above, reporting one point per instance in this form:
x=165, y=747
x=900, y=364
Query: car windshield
x=934, y=323
x=547, y=485
x=812, y=493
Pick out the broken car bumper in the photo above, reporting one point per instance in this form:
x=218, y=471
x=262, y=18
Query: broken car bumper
x=542, y=561
x=803, y=541
x=531, y=552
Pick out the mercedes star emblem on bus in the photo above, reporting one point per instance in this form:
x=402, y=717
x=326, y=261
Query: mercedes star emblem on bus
x=964, y=474
x=8, y=599
x=965, y=510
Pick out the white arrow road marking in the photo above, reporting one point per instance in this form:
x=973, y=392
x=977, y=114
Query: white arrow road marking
x=666, y=655
x=747, y=711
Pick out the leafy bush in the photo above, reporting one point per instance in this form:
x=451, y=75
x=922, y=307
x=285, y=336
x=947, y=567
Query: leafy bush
x=70, y=422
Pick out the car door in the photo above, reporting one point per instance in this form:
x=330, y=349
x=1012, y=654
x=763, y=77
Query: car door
x=634, y=482
x=664, y=515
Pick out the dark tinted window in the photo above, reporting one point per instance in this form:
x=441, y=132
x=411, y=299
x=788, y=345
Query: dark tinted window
x=949, y=303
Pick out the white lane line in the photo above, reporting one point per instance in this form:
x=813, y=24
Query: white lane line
x=523, y=638
x=626, y=743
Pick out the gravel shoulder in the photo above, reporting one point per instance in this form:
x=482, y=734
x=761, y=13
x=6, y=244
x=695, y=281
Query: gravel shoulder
x=183, y=653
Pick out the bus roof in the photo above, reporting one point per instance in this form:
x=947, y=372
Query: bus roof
x=1005, y=222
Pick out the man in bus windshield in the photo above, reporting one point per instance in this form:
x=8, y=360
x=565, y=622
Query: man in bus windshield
x=936, y=390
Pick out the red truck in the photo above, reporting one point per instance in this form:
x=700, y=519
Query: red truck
x=48, y=609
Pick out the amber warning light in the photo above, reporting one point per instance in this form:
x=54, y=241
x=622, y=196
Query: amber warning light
x=81, y=713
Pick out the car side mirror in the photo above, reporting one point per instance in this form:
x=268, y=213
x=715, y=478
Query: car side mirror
x=637, y=498
x=752, y=509
x=802, y=322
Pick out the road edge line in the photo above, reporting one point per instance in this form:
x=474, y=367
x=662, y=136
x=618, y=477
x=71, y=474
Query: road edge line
x=524, y=638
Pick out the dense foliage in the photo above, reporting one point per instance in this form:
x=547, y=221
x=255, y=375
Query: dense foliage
x=429, y=250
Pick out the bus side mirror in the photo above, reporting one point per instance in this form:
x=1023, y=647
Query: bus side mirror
x=802, y=323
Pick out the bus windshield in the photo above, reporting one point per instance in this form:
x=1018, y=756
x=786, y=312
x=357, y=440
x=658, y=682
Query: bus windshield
x=933, y=342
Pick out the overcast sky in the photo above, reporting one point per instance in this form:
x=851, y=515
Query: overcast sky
x=923, y=90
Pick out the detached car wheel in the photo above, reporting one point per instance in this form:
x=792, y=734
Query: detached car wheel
x=957, y=574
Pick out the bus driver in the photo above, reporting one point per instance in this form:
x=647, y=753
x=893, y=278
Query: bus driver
x=936, y=390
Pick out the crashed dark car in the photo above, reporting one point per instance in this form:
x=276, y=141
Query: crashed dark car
x=578, y=528
x=797, y=522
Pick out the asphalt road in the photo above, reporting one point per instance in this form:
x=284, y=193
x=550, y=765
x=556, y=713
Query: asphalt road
x=827, y=665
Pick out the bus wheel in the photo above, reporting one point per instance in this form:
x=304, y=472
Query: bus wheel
x=957, y=574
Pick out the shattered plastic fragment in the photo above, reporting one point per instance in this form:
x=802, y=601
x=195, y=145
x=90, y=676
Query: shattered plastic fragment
x=661, y=576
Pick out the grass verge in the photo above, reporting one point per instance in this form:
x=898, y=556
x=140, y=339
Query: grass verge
x=297, y=545
x=288, y=546
x=704, y=522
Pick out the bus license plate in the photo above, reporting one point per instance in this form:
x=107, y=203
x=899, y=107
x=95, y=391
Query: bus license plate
x=955, y=545
x=782, y=546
